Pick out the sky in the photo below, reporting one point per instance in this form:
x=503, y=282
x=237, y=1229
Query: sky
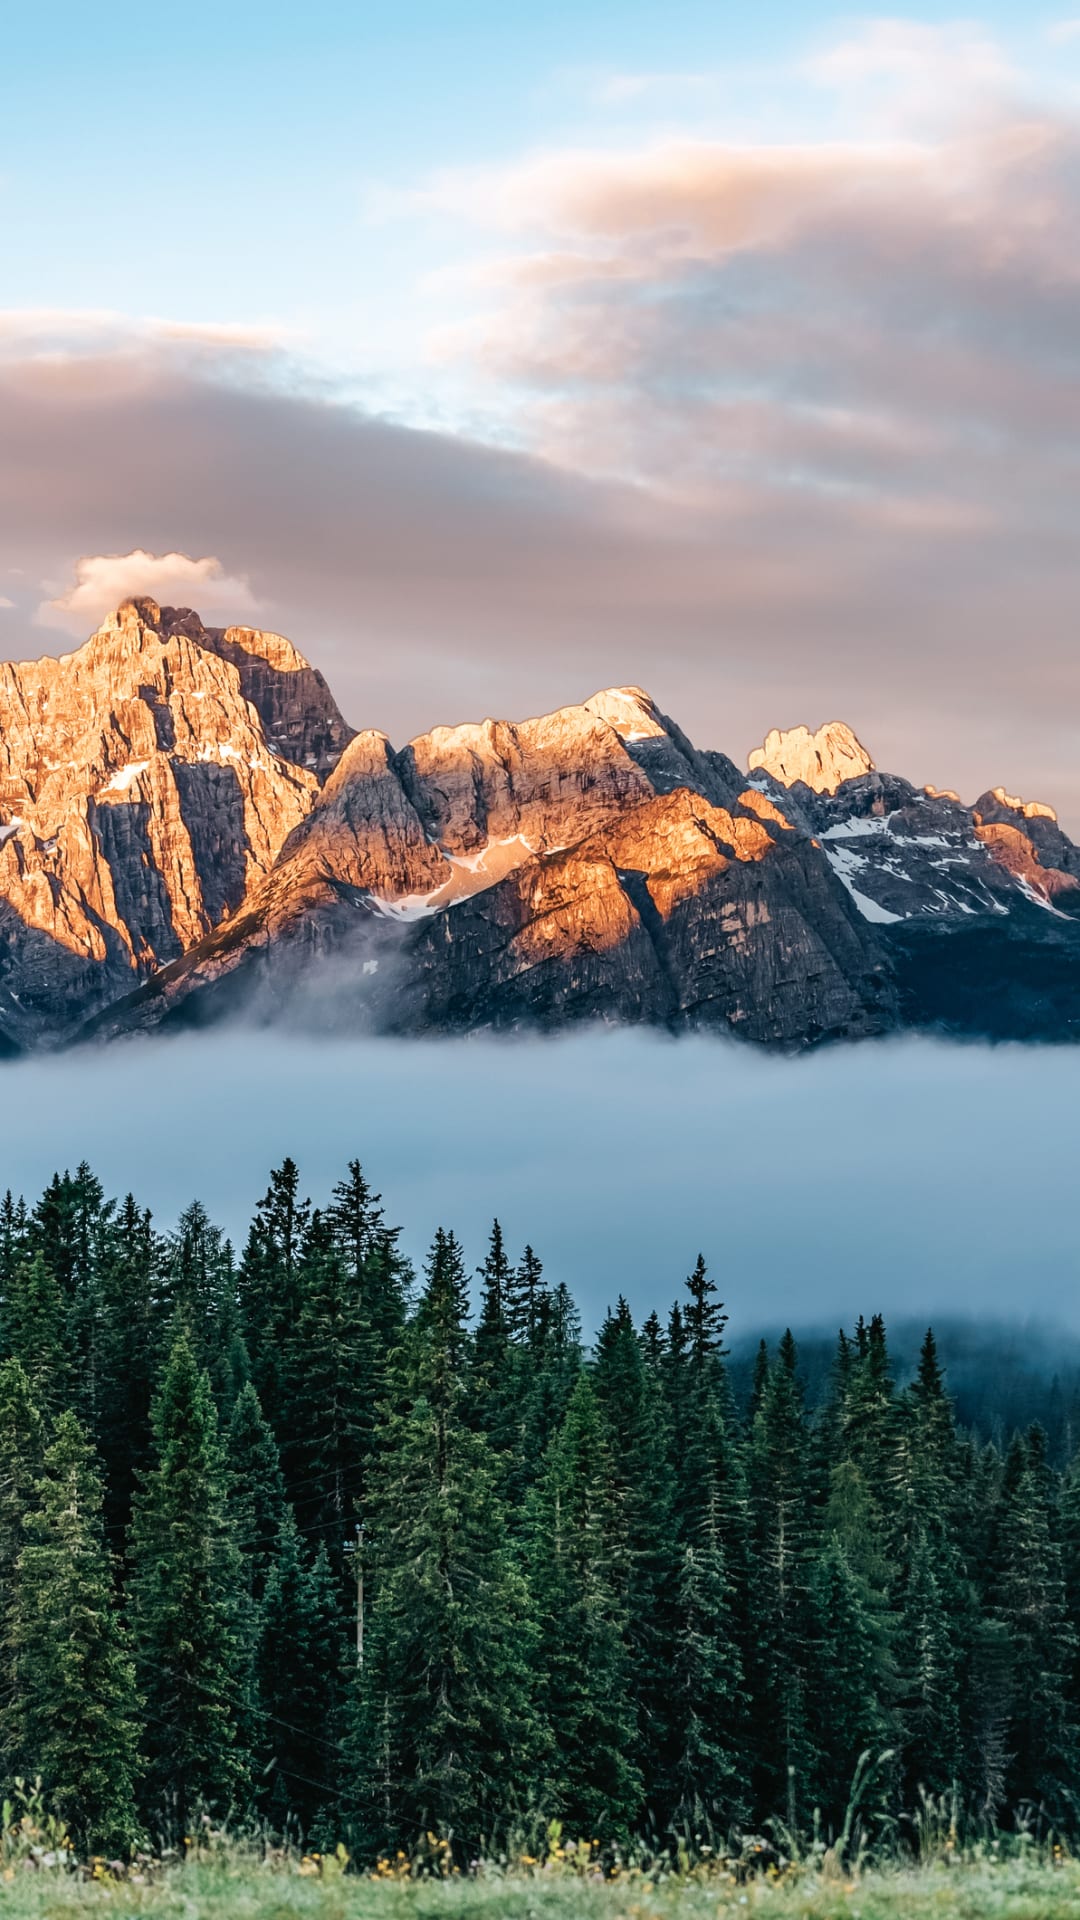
x=909, y=1177
x=496, y=354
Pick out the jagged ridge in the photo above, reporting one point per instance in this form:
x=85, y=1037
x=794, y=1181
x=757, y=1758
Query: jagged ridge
x=590, y=863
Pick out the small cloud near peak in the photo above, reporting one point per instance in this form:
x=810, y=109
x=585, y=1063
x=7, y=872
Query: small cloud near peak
x=104, y=580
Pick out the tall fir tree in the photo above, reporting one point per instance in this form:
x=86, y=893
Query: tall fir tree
x=630, y=1399
x=848, y=1714
x=300, y=1673
x=328, y=1391
x=132, y=1338
x=256, y=1489
x=35, y=1332
x=268, y=1285
x=707, y=1792
x=187, y=1608
x=579, y=1567
x=1029, y=1599
x=782, y=1544
x=445, y=1720
x=22, y=1452
x=75, y=1713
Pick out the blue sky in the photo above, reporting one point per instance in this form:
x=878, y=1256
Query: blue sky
x=745, y=343
x=207, y=162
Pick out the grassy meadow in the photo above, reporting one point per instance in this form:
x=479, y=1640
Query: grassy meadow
x=1020, y=1889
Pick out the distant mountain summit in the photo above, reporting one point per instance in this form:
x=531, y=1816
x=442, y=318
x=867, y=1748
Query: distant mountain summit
x=145, y=782
x=189, y=831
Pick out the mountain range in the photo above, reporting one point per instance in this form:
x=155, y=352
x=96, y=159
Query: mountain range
x=189, y=831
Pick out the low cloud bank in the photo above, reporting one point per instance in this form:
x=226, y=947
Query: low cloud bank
x=922, y=1179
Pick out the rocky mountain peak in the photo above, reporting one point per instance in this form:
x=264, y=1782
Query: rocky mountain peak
x=821, y=761
x=630, y=710
x=145, y=781
x=188, y=827
x=1030, y=809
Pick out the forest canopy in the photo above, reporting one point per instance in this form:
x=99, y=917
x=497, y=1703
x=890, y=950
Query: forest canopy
x=297, y=1536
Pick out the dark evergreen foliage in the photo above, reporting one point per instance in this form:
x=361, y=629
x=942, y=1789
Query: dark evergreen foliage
x=288, y=1542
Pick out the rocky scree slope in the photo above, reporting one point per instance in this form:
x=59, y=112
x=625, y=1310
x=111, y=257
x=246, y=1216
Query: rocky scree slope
x=590, y=863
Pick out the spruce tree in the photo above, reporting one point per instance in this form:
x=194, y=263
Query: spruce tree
x=328, y=1391
x=846, y=1710
x=525, y=1299
x=129, y=1280
x=1029, y=1600
x=198, y=1279
x=299, y=1671
x=929, y=1707
x=257, y=1489
x=74, y=1717
x=578, y=1564
x=22, y=1451
x=369, y=1251
x=35, y=1330
x=445, y=1716
x=705, y=1318
x=707, y=1791
x=780, y=1652
x=186, y=1604
x=268, y=1285
x=498, y=1380
x=631, y=1402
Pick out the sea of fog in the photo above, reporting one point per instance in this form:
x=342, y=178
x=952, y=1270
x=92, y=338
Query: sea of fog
x=912, y=1176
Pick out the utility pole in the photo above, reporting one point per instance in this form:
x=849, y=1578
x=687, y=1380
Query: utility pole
x=357, y=1548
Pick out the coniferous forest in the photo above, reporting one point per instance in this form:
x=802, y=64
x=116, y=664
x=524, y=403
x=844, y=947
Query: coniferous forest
x=298, y=1538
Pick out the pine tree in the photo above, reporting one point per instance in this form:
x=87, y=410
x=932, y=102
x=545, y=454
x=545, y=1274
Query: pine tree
x=848, y=1716
x=445, y=1695
x=492, y=1354
x=760, y=1380
x=186, y=1603
x=131, y=1351
x=631, y=1402
x=65, y=1225
x=371, y=1257
x=257, y=1489
x=929, y=1706
x=299, y=1668
x=1029, y=1600
x=14, y=1240
x=328, y=1391
x=198, y=1279
x=779, y=1656
x=707, y=1791
x=22, y=1451
x=705, y=1318
x=533, y=1393
x=525, y=1299
x=268, y=1285
x=35, y=1331
x=74, y=1716
x=578, y=1566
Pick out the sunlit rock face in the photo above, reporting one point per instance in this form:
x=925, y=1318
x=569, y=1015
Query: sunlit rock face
x=146, y=781
x=590, y=863
x=821, y=761
x=189, y=830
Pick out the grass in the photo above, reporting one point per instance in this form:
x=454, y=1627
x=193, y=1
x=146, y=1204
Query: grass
x=235, y=1888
